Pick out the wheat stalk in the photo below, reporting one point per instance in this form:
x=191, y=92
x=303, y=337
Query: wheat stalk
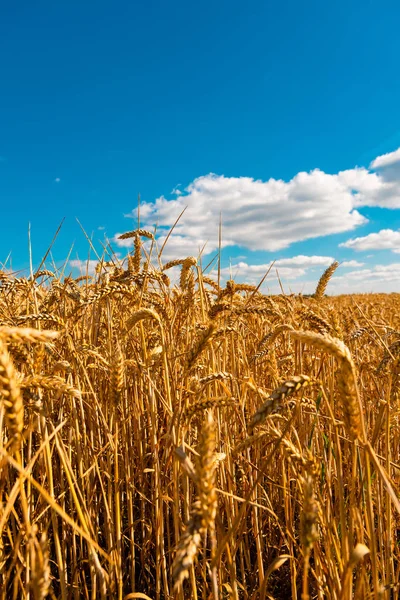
x=10, y=395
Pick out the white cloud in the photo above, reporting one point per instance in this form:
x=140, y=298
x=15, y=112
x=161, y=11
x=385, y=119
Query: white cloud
x=386, y=239
x=122, y=243
x=258, y=215
x=389, y=272
x=305, y=261
x=253, y=274
x=178, y=246
x=249, y=273
x=380, y=278
x=383, y=188
x=288, y=268
x=271, y=215
x=386, y=159
x=176, y=191
x=57, y=180
x=351, y=264
x=85, y=266
x=298, y=275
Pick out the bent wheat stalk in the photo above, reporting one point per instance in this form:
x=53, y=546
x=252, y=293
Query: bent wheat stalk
x=347, y=381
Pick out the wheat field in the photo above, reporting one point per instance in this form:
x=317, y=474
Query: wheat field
x=196, y=441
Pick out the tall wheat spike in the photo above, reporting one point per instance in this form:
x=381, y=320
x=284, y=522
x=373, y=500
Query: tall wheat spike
x=347, y=379
x=278, y=397
x=131, y=420
x=324, y=280
x=11, y=398
x=204, y=508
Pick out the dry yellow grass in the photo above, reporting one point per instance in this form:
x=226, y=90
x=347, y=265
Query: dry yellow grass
x=196, y=441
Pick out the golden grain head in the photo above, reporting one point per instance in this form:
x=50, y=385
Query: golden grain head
x=195, y=440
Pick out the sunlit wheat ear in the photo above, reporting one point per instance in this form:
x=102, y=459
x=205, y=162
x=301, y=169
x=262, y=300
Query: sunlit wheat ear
x=230, y=289
x=136, y=232
x=324, y=280
x=205, y=469
x=187, y=264
x=204, y=509
x=218, y=376
x=357, y=333
x=277, y=398
x=117, y=373
x=217, y=402
x=390, y=354
x=173, y=263
x=395, y=382
x=200, y=346
x=308, y=527
x=140, y=315
x=309, y=515
x=40, y=567
x=188, y=546
x=211, y=282
x=52, y=383
x=41, y=317
x=11, y=397
x=316, y=322
x=250, y=440
x=21, y=335
x=62, y=366
x=268, y=339
x=137, y=254
x=273, y=367
x=347, y=381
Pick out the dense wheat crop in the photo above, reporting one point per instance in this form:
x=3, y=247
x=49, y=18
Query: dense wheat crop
x=193, y=441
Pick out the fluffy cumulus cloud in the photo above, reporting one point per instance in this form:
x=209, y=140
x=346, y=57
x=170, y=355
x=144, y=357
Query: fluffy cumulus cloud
x=286, y=268
x=386, y=160
x=379, y=278
x=256, y=215
x=352, y=264
x=389, y=272
x=177, y=246
x=271, y=215
x=301, y=273
x=254, y=273
x=305, y=261
x=84, y=266
x=386, y=239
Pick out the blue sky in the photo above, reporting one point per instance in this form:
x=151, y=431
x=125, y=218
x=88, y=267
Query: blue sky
x=102, y=100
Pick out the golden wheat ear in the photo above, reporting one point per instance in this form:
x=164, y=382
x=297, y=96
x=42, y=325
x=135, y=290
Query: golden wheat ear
x=10, y=394
x=324, y=280
x=40, y=564
x=347, y=377
x=277, y=398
